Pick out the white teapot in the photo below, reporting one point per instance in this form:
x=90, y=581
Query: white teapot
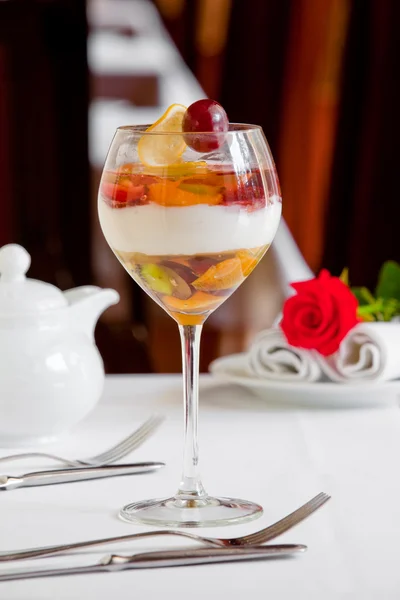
x=51, y=372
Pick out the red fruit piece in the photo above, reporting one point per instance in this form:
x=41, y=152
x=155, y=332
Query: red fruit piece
x=247, y=193
x=123, y=193
x=205, y=116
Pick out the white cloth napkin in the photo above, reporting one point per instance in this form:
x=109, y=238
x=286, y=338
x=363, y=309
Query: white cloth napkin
x=370, y=351
x=271, y=357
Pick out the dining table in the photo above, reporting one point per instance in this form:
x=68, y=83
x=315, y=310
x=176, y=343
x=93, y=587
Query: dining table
x=277, y=455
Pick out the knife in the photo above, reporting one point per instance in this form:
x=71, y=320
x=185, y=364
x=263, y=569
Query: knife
x=166, y=558
x=8, y=482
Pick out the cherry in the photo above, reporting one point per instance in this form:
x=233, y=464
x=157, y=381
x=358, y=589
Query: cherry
x=205, y=116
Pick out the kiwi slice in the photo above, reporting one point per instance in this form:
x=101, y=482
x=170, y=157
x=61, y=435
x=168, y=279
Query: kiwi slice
x=157, y=278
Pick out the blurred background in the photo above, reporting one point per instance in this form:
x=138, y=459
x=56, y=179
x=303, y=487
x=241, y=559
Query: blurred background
x=320, y=76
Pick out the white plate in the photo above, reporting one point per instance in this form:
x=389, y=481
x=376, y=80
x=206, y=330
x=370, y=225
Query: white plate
x=231, y=369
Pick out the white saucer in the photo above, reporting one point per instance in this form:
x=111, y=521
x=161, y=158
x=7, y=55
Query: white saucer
x=232, y=369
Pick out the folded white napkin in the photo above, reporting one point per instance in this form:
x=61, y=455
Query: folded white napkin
x=370, y=351
x=271, y=357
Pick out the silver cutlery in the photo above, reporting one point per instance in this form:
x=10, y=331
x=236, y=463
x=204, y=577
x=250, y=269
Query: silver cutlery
x=259, y=537
x=9, y=482
x=166, y=558
x=123, y=448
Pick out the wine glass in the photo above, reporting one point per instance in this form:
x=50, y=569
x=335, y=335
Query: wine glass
x=189, y=233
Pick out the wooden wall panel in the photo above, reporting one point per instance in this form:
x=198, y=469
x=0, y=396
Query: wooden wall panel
x=308, y=127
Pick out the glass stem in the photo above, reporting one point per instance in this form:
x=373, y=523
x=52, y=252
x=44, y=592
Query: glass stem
x=190, y=487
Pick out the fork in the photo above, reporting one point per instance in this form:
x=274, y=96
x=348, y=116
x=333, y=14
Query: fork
x=124, y=447
x=257, y=538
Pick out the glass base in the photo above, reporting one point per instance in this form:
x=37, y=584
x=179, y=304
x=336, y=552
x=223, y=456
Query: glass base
x=194, y=512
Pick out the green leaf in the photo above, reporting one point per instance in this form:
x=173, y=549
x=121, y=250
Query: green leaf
x=344, y=276
x=365, y=317
x=388, y=312
x=389, y=281
x=380, y=310
x=390, y=309
x=370, y=309
x=363, y=295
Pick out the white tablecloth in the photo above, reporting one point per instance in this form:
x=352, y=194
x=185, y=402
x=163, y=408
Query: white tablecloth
x=279, y=458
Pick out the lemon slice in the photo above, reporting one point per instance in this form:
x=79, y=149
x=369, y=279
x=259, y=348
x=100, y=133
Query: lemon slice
x=164, y=150
x=179, y=169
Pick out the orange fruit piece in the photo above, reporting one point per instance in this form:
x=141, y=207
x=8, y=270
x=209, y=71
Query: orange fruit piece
x=248, y=261
x=222, y=276
x=199, y=302
x=168, y=193
x=199, y=188
x=166, y=148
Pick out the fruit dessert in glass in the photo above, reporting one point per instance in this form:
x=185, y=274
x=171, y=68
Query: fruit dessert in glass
x=189, y=206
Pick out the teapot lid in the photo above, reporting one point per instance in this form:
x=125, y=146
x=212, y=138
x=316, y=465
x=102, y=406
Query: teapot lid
x=19, y=294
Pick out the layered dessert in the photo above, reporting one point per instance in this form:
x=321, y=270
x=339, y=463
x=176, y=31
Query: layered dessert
x=188, y=232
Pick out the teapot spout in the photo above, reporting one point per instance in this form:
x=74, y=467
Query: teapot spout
x=86, y=303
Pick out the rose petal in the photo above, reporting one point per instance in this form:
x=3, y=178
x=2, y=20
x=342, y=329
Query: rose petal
x=320, y=315
x=307, y=318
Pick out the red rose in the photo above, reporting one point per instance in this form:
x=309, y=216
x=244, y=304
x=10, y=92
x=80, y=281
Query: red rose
x=320, y=315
